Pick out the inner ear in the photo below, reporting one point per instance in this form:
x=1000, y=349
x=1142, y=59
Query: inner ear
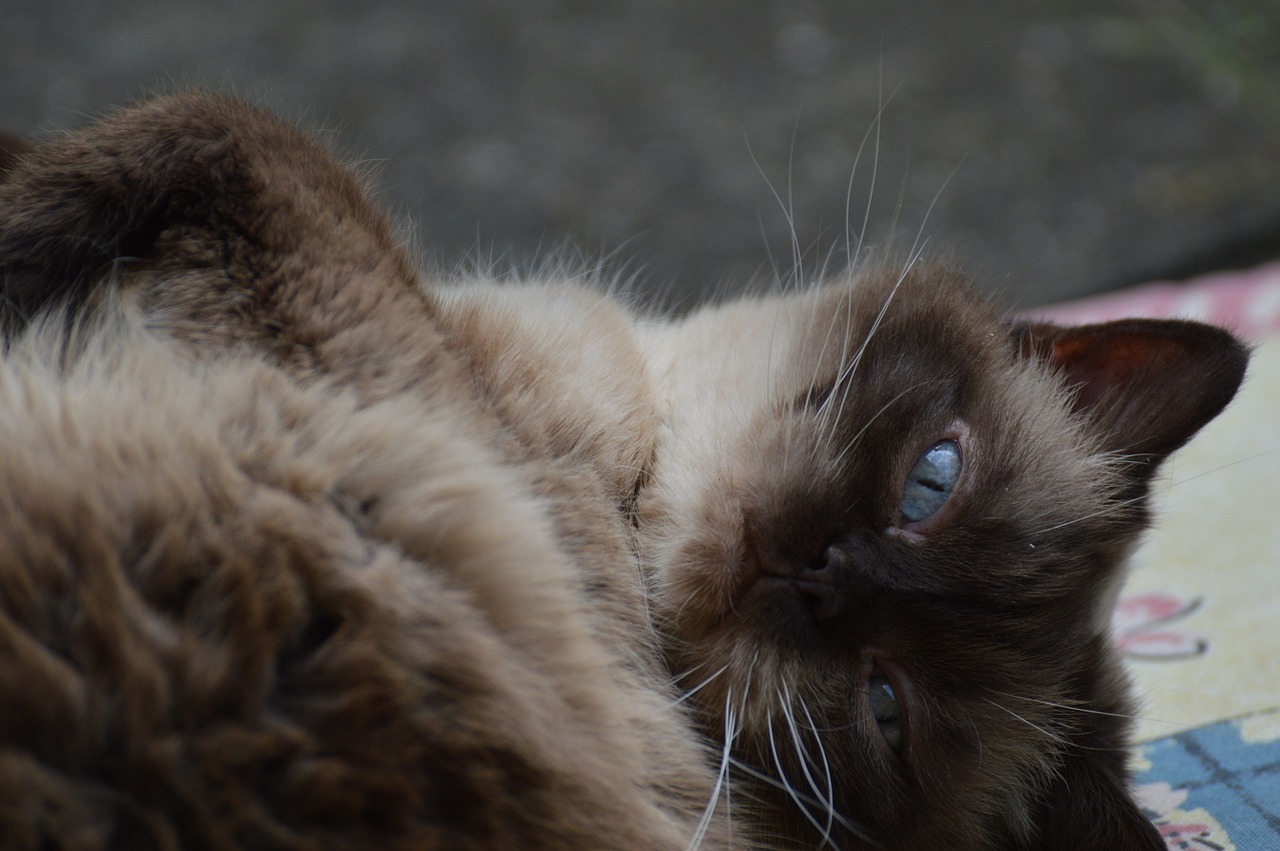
x=1146, y=385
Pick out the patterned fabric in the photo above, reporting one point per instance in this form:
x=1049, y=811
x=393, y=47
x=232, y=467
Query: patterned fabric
x=1199, y=618
x=1246, y=302
x=1215, y=787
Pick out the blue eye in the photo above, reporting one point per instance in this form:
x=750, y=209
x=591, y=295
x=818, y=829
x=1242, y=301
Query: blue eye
x=931, y=481
x=886, y=710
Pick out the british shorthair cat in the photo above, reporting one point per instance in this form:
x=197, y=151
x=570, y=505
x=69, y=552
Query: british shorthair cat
x=301, y=551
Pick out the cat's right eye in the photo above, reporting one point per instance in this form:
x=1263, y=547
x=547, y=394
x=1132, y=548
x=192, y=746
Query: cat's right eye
x=931, y=481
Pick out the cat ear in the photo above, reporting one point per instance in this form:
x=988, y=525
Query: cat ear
x=175, y=183
x=1088, y=806
x=1147, y=385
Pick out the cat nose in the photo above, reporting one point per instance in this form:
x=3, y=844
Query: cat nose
x=822, y=584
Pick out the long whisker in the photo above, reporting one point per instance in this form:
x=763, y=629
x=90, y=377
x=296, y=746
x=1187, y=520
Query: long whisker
x=755, y=773
x=845, y=380
x=840, y=317
x=1109, y=508
x=782, y=205
x=845, y=376
x=699, y=687
x=826, y=766
x=839, y=729
x=797, y=256
x=782, y=775
x=1115, y=507
x=688, y=672
x=1085, y=710
x=1049, y=734
x=917, y=246
x=730, y=733
x=790, y=789
x=914, y=254
x=805, y=761
x=1219, y=469
x=851, y=255
x=884, y=408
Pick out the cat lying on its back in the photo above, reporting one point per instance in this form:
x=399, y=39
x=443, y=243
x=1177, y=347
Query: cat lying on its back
x=298, y=553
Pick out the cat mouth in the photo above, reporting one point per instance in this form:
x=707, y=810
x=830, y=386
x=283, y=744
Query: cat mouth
x=818, y=591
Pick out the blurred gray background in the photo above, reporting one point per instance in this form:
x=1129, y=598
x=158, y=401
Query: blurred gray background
x=1071, y=147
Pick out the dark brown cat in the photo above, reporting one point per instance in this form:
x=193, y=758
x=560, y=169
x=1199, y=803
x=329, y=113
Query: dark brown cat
x=296, y=552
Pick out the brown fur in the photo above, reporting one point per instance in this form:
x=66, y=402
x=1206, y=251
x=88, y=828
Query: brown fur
x=12, y=150
x=338, y=617
x=297, y=553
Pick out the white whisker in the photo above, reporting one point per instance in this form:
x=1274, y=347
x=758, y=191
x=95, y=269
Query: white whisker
x=883, y=409
x=782, y=205
x=1049, y=734
x=846, y=376
x=730, y=733
x=826, y=766
x=805, y=761
x=789, y=788
x=797, y=256
x=757, y=774
x=1180, y=482
x=1085, y=710
x=699, y=687
x=1110, y=508
x=876, y=125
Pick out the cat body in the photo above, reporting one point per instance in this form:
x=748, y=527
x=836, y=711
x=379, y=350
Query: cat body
x=313, y=395
x=297, y=552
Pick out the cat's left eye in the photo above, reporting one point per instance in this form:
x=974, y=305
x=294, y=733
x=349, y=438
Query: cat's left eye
x=931, y=481
x=886, y=710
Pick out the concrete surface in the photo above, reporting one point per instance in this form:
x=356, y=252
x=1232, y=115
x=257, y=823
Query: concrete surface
x=1070, y=146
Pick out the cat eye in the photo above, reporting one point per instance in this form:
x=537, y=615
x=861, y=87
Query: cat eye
x=931, y=481
x=886, y=710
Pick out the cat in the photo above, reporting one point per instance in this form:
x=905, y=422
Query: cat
x=300, y=551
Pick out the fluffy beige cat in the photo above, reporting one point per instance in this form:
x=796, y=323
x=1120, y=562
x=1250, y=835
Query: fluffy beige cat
x=299, y=552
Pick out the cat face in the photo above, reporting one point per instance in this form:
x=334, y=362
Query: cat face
x=884, y=537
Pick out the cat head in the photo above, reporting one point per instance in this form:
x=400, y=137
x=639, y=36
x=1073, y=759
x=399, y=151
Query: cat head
x=883, y=531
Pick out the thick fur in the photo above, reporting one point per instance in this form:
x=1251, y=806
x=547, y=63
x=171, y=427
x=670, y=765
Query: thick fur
x=299, y=552
x=273, y=567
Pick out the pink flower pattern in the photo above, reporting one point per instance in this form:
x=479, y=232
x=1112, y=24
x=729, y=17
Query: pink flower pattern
x=1187, y=837
x=1182, y=831
x=1139, y=625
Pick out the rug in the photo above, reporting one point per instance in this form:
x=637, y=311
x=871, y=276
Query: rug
x=1199, y=619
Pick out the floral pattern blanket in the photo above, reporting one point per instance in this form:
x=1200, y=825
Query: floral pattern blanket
x=1199, y=619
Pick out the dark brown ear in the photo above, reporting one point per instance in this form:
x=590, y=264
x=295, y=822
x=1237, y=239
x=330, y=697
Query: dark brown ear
x=1147, y=385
